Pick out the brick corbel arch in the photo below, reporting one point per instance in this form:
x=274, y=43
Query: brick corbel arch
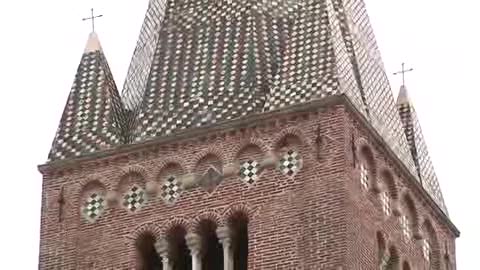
x=135, y=169
x=206, y=215
x=262, y=145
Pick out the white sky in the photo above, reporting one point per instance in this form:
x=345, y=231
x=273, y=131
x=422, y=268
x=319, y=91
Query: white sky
x=41, y=46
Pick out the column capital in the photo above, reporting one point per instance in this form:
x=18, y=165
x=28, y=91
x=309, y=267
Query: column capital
x=194, y=242
x=223, y=232
x=161, y=246
x=224, y=235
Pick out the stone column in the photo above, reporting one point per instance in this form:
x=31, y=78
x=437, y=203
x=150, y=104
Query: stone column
x=194, y=243
x=162, y=249
x=225, y=238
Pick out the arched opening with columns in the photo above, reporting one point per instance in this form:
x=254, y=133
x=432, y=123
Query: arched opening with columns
x=405, y=266
x=381, y=250
x=238, y=225
x=148, y=258
x=211, y=250
x=178, y=252
x=393, y=260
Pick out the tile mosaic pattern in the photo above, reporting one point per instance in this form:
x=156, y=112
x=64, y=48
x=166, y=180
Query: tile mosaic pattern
x=199, y=62
x=427, y=250
x=406, y=229
x=134, y=198
x=386, y=207
x=171, y=189
x=249, y=172
x=92, y=117
x=93, y=207
x=364, y=181
x=290, y=163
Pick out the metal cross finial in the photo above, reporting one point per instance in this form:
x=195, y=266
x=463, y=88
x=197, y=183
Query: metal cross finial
x=92, y=17
x=403, y=71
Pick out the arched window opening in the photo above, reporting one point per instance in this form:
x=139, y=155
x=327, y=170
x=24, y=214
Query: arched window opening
x=212, y=249
x=382, y=250
x=448, y=265
x=238, y=224
x=405, y=266
x=393, y=260
x=179, y=253
x=367, y=169
x=430, y=246
x=388, y=194
x=409, y=219
x=149, y=258
x=386, y=203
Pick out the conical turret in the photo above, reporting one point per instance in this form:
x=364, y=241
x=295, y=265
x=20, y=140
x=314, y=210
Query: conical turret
x=91, y=118
x=418, y=147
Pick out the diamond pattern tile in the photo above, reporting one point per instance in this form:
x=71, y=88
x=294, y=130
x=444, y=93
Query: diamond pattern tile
x=93, y=207
x=405, y=225
x=364, y=181
x=290, y=163
x=171, y=189
x=426, y=249
x=386, y=207
x=249, y=172
x=134, y=198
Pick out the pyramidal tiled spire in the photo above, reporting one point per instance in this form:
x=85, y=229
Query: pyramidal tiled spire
x=201, y=62
x=91, y=118
x=418, y=147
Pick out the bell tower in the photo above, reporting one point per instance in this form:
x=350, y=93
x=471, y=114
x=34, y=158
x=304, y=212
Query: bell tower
x=247, y=135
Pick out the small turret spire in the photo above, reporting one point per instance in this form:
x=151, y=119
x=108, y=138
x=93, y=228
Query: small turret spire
x=91, y=120
x=403, y=96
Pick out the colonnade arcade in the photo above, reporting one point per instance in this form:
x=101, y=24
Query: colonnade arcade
x=207, y=247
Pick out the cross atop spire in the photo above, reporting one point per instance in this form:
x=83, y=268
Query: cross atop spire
x=403, y=71
x=92, y=18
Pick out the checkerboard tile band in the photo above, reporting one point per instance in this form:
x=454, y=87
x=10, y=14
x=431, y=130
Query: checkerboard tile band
x=249, y=172
x=171, y=189
x=364, y=181
x=134, y=198
x=290, y=163
x=93, y=207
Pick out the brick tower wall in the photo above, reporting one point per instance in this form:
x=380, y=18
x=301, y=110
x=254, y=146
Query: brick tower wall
x=317, y=219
